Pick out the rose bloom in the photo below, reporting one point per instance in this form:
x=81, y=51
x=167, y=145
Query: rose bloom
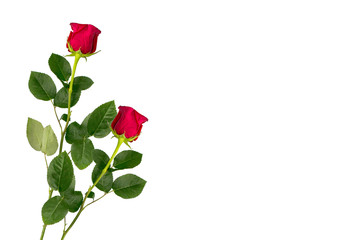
x=83, y=37
x=129, y=122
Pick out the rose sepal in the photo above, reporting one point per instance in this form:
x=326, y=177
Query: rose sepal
x=73, y=52
x=125, y=140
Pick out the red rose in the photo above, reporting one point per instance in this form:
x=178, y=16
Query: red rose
x=129, y=122
x=83, y=37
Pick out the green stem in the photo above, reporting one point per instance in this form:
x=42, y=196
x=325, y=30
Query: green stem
x=77, y=58
x=47, y=166
x=82, y=207
x=44, y=226
x=43, y=232
x=56, y=115
x=98, y=199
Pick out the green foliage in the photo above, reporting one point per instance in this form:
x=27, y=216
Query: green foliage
x=85, y=123
x=64, y=117
x=60, y=67
x=73, y=200
x=128, y=186
x=81, y=153
x=127, y=159
x=105, y=183
x=54, y=210
x=100, y=158
x=34, y=133
x=100, y=120
x=91, y=195
x=42, y=86
x=62, y=97
x=82, y=83
x=70, y=189
x=75, y=132
x=49, y=141
x=60, y=173
x=41, y=139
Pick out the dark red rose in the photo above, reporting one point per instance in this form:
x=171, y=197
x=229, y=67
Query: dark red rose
x=129, y=122
x=83, y=37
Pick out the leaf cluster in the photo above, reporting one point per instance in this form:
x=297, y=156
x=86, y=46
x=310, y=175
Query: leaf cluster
x=60, y=174
x=43, y=87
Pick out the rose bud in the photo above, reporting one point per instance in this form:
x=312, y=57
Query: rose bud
x=83, y=37
x=128, y=122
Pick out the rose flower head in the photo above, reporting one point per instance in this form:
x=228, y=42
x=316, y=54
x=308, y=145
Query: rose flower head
x=83, y=37
x=128, y=122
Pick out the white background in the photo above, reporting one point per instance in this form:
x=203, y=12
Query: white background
x=253, y=107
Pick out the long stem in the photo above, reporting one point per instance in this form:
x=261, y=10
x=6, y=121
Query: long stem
x=56, y=115
x=82, y=207
x=77, y=58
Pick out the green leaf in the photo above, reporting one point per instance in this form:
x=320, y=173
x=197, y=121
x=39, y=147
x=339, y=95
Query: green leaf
x=60, y=67
x=41, y=139
x=100, y=158
x=34, y=133
x=60, y=173
x=64, y=117
x=127, y=159
x=70, y=189
x=100, y=120
x=81, y=153
x=105, y=183
x=54, y=210
x=91, y=195
x=82, y=83
x=62, y=97
x=85, y=121
x=42, y=86
x=49, y=141
x=73, y=200
x=128, y=186
x=75, y=132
